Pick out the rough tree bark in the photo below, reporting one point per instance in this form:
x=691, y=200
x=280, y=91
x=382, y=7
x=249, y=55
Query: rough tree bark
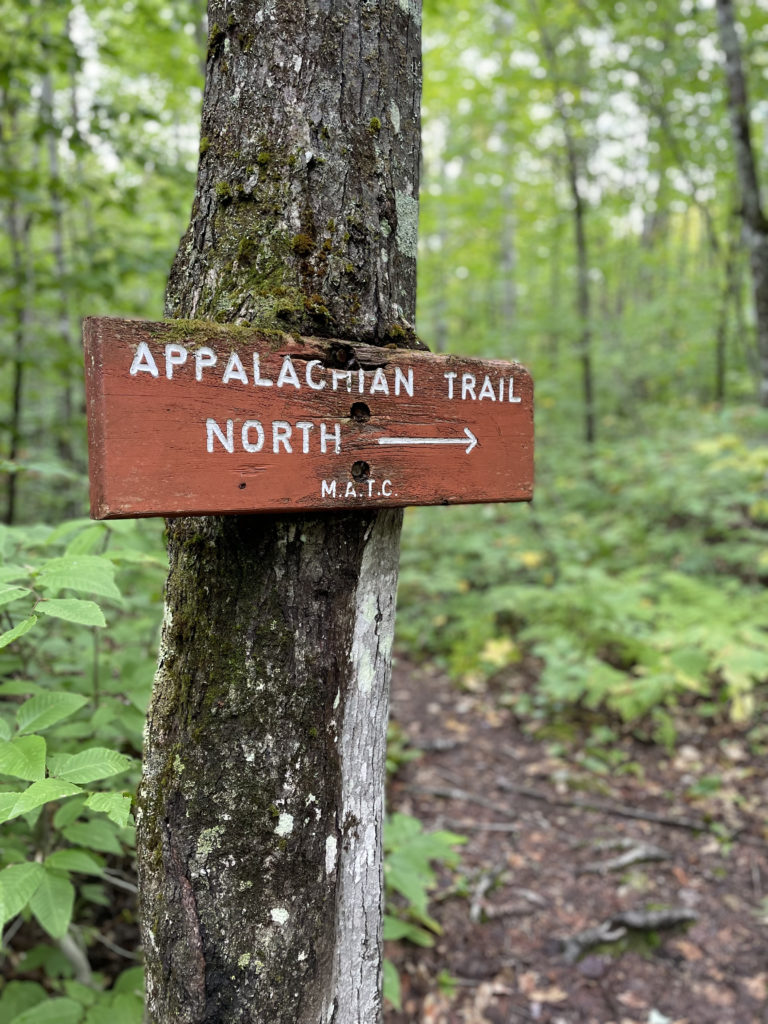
x=752, y=213
x=260, y=810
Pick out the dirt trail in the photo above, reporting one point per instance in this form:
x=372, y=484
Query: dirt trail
x=549, y=859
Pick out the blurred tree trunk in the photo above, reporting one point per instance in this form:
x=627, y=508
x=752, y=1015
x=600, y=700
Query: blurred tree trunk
x=753, y=217
x=260, y=811
x=18, y=225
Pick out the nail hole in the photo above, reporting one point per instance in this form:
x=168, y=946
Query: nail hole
x=360, y=470
x=241, y=486
x=360, y=412
x=342, y=355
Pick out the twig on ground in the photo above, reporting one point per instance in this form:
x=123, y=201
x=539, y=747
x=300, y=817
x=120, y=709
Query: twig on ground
x=636, y=854
x=440, y=744
x=480, y=826
x=486, y=881
x=453, y=793
x=604, y=807
x=617, y=927
x=496, y=910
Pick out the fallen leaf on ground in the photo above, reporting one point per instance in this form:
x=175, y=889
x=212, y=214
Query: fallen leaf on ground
x=757, y=987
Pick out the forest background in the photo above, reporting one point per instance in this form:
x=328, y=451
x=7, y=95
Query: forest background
x=580, y=212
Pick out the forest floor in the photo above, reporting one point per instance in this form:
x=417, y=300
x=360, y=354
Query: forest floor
x=545, y=872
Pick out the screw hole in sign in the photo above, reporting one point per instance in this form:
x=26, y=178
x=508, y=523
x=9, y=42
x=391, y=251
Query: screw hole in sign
x=360, y=412
x=360, y=470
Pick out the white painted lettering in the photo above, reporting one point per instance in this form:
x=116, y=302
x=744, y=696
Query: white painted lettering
x=304, y=426
x=143, y=361
x=235, y=370
x=315, y=385
x=325, y=434
x=213, y=429
x=370, y=482
x=328, y=489
x=175, y=355
x=288, y=374
x=258, y=380
x=350, y=491
x=405, y=381
x=386, y=488
x=450, y=377
x=486, y=391
x=360, y=381
x=249, y=445
x=468, y=385
x=379, y=384
x=512, y=396
x=281, y=434
x=203, y=357
x=342, y=375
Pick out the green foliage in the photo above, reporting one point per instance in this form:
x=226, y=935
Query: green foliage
x=71, y=715
x=409, y=878
x=410, y=853
x=635, y=580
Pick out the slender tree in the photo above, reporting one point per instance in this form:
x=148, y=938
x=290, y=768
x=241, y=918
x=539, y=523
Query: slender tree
x=260, y=811
x=752, y=213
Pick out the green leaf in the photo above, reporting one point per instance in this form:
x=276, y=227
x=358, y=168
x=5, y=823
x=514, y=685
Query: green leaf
x=45, y=709
x=83, y=994
x=100, y=585
x=52, y=961
x=5, y=729
x=116, y=806
x=52, y=904
x=19, y=688
x=69, y=811
x=52, y=1011
x=23, y=758
x=84, y=542
x=81, y=861
x=95, y=835
x=131, y=981
x=89, y=765
x=86, y=573
x=121, y=1008
x=17, y=631
x=72, y=609
x=18, y=884
x=391, y=984
x=10, y=594
x=40, y=793
x=7, y=803
x=18, y=996
x=90, y=574
x=9, y=573
x=396, y=928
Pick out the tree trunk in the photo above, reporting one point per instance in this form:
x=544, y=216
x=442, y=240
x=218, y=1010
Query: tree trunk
x=18, y=224
x=753, y=218
x=573, y=169
x=260, y=810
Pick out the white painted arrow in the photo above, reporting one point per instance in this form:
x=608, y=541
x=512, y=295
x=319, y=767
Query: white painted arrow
x=469, y=437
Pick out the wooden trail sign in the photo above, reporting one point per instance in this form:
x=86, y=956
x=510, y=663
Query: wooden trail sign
x=193, y=418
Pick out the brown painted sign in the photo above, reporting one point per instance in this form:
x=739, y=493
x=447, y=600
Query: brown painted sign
x=193, y=418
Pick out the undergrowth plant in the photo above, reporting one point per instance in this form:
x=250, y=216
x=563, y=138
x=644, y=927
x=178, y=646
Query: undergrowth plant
x=633, y=584
x=76, y=663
